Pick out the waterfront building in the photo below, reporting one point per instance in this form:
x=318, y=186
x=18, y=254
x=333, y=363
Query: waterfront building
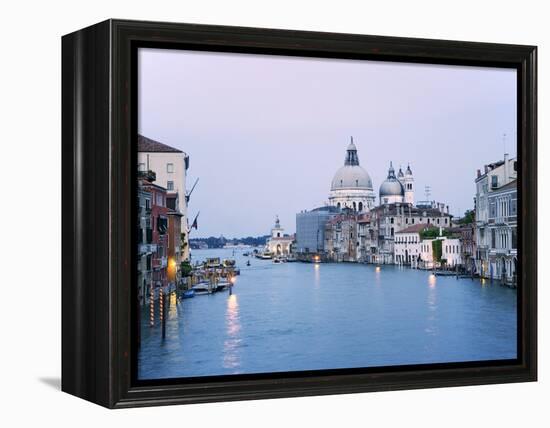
x=407, y=245
x=468, y=245
x=174, y=246
x=427, y=254
x=170, y=166
x=352, y=186
x=502, y=231
x=440, y=248
x=496, y=220
x=146, y=248
x=390, y=218
x=278, y=243
x=451, y=252
x=341, y=237
x=159, y=235
x=310, y=231
x=367, y=249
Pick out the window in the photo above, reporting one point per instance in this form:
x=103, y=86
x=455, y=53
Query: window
x=494, y=181
x=170, y=185
x=170, y=167
x=412, y=220
x=391, y=220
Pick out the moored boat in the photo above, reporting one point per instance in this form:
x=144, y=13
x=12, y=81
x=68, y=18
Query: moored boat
x=188, y=294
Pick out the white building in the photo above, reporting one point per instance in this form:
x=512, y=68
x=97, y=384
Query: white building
x=407, y=244
x=170, y=166
x=427, y=254
x=279, y=244
x=496, y=217
x=451, y=252
x=352, y=186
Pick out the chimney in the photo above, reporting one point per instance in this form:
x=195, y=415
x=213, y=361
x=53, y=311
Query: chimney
x=486, y=169
x=478, y=173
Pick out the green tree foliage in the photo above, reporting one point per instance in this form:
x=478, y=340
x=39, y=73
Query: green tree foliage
x=429, y=233
x=185, y=268
x=468, y=217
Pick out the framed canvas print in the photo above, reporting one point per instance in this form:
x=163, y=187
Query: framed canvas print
x=253, y=213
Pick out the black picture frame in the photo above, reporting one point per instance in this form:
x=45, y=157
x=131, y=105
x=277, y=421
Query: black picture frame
x=98, y=205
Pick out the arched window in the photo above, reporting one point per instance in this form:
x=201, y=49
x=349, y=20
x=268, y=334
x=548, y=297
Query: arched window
x=338, y=205
x=360, y=206
x=354, y=206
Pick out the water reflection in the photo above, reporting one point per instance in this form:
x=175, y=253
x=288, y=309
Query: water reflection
x=298, y=316
x=231, y=344
x=317, y=275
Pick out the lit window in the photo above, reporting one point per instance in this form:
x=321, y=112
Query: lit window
x=169, y=167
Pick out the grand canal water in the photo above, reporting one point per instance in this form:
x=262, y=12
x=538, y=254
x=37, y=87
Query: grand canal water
x=297, y=316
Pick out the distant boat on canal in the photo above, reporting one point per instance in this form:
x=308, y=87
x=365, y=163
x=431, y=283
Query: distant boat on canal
x=266, y=255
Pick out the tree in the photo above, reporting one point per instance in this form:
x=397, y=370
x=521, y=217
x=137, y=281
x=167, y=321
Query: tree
x=185, y=268
x=468, y=218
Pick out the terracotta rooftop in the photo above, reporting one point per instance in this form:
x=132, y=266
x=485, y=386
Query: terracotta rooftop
x=148, y=145
x=415, y=228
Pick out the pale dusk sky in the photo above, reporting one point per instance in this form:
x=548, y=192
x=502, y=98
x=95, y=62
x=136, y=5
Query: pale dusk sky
x=265, y=134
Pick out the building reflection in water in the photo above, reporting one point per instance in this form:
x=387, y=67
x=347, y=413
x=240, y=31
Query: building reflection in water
x=431, y=329
x=231, y=359
x=317, y=275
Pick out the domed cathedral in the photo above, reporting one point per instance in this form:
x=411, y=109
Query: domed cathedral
x=397, y=189
x=352, y=185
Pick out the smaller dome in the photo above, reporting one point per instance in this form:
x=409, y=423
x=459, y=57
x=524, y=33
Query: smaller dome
x=408, y=172
x=400, y=173
x=391, y=186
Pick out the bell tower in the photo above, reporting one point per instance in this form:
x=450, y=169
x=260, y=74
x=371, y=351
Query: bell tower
x=408, y=183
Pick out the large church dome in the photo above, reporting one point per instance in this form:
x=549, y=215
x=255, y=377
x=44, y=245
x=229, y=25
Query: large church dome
x=351, y=186
x=351, y=175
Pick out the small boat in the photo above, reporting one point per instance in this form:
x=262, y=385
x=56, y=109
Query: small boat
x=222, y=285
x=212, y=262
x=228, y=263
x=264, y=256
x=248, y=262
x=277, y=260
x=202, y=288
x=188, y=294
